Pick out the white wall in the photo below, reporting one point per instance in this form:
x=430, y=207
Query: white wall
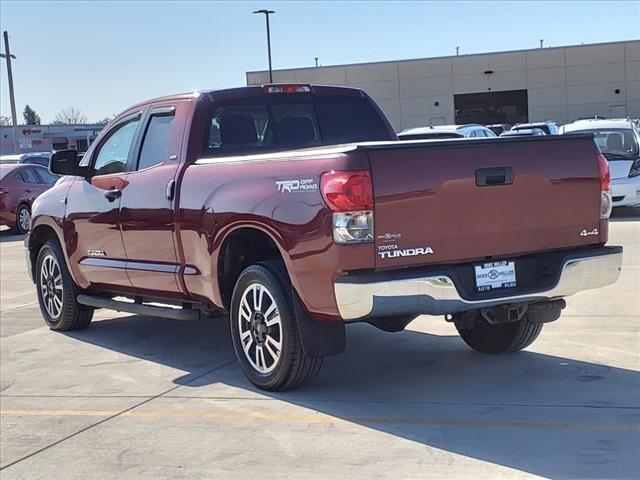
x=563, y=83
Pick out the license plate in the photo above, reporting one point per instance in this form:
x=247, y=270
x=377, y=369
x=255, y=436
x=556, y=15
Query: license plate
x=494, y=275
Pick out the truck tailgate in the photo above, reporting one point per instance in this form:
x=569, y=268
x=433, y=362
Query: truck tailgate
x=454, y=201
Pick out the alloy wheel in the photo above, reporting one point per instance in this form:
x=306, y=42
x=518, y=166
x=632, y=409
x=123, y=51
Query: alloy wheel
x=260, y=328
x=51, y=286
x=24, y=219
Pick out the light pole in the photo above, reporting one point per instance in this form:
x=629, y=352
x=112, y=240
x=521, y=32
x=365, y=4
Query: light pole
x=266, y=15
x=12, y=99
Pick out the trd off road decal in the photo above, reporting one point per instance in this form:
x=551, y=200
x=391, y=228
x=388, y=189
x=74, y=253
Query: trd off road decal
x=297, y=186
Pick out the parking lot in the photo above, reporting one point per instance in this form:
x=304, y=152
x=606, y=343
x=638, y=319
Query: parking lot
x=136, y=396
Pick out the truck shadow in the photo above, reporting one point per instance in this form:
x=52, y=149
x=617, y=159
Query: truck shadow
x=625, y=214
x=542, y=414
x=7, y=235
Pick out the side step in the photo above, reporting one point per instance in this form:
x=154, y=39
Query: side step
x=138, y=308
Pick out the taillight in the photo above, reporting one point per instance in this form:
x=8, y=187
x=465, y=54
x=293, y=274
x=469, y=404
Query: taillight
x=289, y=88
x=347, y=191
x=349, y=194
x=605, y=175
x=606, y=203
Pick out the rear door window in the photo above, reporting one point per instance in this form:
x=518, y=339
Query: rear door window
x=156, y=141
x=27, y=175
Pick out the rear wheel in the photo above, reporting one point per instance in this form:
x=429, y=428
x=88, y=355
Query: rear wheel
x=57, y=292
x=23, y=219
x=265, y=333
x=503, y=338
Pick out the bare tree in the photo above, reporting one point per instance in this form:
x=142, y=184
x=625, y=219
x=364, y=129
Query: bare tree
x=106, y=120
x=70, y=116
x=5, y=121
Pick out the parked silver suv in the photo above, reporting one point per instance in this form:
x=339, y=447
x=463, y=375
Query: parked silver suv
x=446, y=131
x=618, y=140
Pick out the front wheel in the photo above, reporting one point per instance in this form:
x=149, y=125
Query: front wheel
x=484, y=337
x=264, y=330
x=57, y=291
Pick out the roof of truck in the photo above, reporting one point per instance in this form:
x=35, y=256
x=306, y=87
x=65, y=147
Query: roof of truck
x=246, y=91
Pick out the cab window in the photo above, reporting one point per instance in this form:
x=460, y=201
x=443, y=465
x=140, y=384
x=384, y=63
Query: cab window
x=113, y=153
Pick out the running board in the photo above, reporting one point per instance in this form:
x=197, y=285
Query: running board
x=139, y=308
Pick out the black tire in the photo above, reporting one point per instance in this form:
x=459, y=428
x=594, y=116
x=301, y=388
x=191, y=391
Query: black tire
x=293, y=367
x=505, y=338
x=20, y=228
x=72, y=315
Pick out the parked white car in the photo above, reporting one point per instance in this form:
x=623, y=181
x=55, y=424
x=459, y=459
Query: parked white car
x=618, y=141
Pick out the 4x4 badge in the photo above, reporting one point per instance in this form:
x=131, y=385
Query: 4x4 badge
x=585, y=232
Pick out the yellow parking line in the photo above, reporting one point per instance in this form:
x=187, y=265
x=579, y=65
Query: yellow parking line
x=320, y=418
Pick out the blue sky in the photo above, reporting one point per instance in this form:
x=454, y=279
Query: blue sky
x=103, y=56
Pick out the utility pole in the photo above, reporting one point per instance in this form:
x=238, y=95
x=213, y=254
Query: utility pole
x=14, y=118
x=266, y=15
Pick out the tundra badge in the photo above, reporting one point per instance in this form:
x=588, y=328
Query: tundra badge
x=392, y=251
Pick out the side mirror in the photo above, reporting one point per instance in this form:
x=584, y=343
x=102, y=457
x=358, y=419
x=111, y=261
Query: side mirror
x=66, y=162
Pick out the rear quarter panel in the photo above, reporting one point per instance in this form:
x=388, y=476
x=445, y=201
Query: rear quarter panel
x=217, y=199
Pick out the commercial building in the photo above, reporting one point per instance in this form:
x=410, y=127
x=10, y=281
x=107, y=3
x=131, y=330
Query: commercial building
x=46, y=138
x=559, y=83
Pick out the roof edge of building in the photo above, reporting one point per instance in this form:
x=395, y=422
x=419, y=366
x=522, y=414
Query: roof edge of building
x=522, y=50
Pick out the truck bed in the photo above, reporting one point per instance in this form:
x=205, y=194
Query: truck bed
x=453, y=201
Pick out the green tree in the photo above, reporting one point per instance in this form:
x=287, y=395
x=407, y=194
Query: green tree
x=30, y=116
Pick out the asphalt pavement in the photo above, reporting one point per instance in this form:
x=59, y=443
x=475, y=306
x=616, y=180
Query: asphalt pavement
x=139, y=397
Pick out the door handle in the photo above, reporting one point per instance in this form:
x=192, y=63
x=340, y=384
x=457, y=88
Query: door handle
x=171, y=189
x=113, y=194
x=486, y=177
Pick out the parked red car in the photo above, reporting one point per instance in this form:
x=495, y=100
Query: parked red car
x=20, y=184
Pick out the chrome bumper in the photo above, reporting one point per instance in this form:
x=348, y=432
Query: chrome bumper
x=438, y=295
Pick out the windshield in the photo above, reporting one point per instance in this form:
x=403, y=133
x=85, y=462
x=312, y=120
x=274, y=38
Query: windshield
x=284, y=122
x=616, y=143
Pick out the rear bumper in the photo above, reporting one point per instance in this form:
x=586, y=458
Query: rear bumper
x=442, y=290
x=625, y=192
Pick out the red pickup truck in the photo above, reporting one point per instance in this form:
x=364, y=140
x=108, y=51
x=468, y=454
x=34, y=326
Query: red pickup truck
x=295, y=209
